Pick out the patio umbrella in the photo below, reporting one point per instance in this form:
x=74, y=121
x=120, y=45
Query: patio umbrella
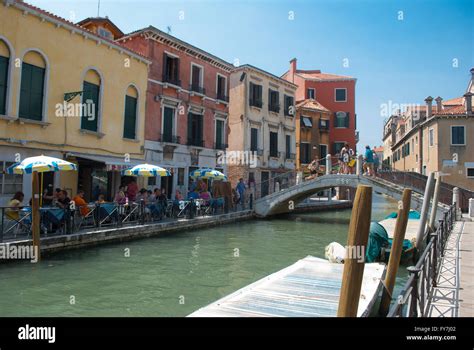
x=146, y=170
x=208, y=173
x=35, y=165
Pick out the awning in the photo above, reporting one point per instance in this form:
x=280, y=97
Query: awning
x=111, y=163
x=307, y=122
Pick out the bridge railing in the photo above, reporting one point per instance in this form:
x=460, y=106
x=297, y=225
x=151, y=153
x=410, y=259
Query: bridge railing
x=417, y=182
x=415, y=297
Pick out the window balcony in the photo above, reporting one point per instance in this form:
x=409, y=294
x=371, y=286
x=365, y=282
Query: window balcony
x=170, y=138
x=256, y=103
x=171, y=80
x=220, y=145
x=195, y=142
x=290, y=156
x=274, y=154
x=197, y=88
x=222, y=97
x=274, y=108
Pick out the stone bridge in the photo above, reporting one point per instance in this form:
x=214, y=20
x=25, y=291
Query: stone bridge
x=279, y=202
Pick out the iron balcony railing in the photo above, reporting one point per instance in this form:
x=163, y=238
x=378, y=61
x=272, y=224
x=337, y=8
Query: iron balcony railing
x=195, y=142
x=197, y=88
x=171, y=80
x=274, y=108
x=290, y=155
x=256, y=103
x=220, y=145
x=274, y=154
x=222, y=97
x=170, y=138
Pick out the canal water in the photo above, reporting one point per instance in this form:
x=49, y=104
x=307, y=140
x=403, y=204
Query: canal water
x=172, y=275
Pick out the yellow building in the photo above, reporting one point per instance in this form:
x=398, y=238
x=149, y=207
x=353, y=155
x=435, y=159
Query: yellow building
x=68, y=92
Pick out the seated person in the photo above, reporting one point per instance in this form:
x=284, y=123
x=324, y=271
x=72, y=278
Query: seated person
x=63, y=200
x=101, y=199
x=121, y=198
x=81, y=203
x=193, y=195
x=13, y=210
x=178, y=196
x=206, y=195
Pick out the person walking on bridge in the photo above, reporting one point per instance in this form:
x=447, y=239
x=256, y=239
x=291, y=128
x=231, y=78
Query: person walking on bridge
x=369, y=161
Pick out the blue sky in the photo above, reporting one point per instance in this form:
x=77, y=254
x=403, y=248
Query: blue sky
x=399, y=51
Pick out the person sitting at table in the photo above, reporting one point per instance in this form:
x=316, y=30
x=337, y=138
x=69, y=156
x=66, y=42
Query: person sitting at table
x=101, y=199
x=193, y=194
x=178, y=196
x=48, y=196
x=80, y=202
x=120, y=197
x=142, y=195
x=63, y=200
x=205, y=195
x=13, y=210
x=132, y=189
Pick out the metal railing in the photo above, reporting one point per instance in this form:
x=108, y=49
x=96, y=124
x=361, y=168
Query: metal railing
x=16, y=223
x=415, y=297
x=197, y=88
x=170, y=138
x=171, y=80
x=222, y=97
x=195, y=142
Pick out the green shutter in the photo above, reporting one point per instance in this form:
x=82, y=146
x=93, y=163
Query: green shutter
x=91, y=92
x=190, y=127
x=254, y=139
x=31, y=92
x=3, y=83
x=130, y=121
x=347, y=120
x=167, y=124
x=219, y=129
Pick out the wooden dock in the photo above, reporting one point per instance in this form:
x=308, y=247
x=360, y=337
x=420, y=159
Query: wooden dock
x=308, y=288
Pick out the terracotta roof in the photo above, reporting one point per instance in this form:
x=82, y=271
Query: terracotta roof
x=454, y=101
x=317, y=75
x=456, y=110
x=21, y=3
x=378, y=149
x=312, y=104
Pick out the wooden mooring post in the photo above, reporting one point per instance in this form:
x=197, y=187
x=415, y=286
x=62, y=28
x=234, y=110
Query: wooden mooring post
x=356, y=242
x=396, y=251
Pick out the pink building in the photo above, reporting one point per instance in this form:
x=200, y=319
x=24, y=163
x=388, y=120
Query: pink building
x=187, y=105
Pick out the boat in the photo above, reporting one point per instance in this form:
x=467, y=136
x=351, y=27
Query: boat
x=308, y=288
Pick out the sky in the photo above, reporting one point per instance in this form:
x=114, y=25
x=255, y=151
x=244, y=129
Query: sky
x=399, y=51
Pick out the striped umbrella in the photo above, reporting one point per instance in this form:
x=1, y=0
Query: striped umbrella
x=40, y=164
x=208, y=173
x=146, y=170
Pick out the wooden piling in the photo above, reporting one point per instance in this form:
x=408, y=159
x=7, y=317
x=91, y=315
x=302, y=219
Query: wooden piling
x=35, y=215
x=356, y=242
x=396, y=251
x=424, y=210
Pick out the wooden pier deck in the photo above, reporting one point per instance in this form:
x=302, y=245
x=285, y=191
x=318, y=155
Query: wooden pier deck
x=308, y=288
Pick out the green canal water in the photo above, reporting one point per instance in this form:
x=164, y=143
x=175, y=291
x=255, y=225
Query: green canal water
x=172, y=275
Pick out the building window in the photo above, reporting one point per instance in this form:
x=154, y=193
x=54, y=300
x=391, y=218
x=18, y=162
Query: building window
x=306, y=122
x=130, y=123
x=311, y=93
x=470, y=172
x=305, y=153
x=195, y=130
x=323, y=151
x=338, y=146
x=171, y=69
x=9, y=184
x=341, y=119
x=105, y=33
x=220, y=141
x=340, y=95
x=431, y=137
x=221, y=87
x=253, y=139
x=90, y=98
x=168, y=125
x=196, y=79
x=255, y=96
x=289, y=106
x=4, y=65
x=33, y=71
x=458, y=135
x=273, y=144
x=288, y=146
x=273, y=101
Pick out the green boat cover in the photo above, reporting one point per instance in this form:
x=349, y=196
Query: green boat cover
x=378, y=238
x=413, y=214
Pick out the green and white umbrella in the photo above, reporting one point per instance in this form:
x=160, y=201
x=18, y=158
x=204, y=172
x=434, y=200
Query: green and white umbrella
x=146, y=170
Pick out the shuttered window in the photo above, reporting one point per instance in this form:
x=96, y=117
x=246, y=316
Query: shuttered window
x=195, y=130
x=168, y=116
x=3, y=83
x=32, y=92
x=129, y=128
x=253, y=139
x=90, y=117
x=273, y=144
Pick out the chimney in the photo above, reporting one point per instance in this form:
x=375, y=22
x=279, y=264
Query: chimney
x=429, y=107
x=468, y=98
x=472, y=73
x=292, y=69
x=439, y=104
